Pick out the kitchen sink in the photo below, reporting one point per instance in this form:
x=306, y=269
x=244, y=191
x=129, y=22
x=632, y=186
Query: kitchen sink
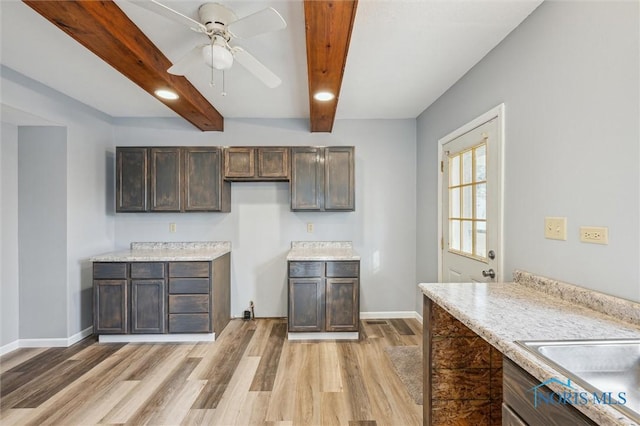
x=608, y=369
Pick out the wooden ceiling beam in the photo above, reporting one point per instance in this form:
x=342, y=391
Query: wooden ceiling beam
x=328, y=26
x=103, y=28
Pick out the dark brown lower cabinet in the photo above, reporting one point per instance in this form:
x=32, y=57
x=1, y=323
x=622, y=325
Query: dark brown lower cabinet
x=462, y=383
x=469, y=382
x=161, y=297
x=111, y=306
x=306, y=304
x=341, y=304
x=523, y=410
x=148, y=314
x=324, y=296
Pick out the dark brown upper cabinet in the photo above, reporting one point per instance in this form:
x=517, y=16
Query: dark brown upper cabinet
x=205, y=189
x=166, y=180
x=323, y=178
x=171, y=179
x=256, y=163
x=131, y=179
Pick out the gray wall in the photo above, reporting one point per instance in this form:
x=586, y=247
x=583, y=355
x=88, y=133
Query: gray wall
x=88, y=208
x=569, y=79
x=9, y=294
x=42, y=231
x=261, y=225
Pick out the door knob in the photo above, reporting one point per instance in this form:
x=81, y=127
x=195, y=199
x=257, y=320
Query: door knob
x=490, y=273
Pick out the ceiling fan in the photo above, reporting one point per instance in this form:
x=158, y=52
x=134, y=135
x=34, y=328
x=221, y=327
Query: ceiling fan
x=221, y=25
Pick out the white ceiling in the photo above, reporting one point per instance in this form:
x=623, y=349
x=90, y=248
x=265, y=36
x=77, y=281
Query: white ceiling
x=403, y=55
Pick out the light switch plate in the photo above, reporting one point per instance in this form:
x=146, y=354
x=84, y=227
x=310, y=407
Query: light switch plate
x=555, y=228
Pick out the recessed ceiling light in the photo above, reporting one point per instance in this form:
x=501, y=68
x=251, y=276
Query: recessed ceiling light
x=166, y=94
x=323, y=96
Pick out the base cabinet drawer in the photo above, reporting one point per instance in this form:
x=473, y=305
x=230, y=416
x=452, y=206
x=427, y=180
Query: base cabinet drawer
x=306, y=269
x=189, y=323
x=189, y=269
x=147, y=270
x=343, y=269
x=189, y=285
x=109, y=271
x=519, y=398
x=188, y=303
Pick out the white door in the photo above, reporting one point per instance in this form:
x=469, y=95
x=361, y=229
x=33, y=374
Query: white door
x=471, y=202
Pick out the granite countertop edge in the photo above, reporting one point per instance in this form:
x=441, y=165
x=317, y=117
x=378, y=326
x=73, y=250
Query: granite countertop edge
x=167, y=252
x=322, y=250
x=508, y=312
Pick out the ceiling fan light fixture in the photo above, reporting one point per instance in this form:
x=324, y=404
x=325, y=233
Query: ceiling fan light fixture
x=323, y=96
x=166, y=94
x=217, y=56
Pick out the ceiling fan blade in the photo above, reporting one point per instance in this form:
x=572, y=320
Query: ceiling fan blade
x=188, y=61
x=264, y=21
x=171, y=14
x=256, y=67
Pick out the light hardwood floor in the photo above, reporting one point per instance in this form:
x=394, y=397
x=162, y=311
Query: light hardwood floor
x=251, y=375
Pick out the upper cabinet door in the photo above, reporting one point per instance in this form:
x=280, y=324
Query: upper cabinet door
x=131, y=179
x=339, y=178
x=273, y=163
x=166, y=179
x=256, y=163
x=239, y=162
x=306, y=178
x=204, y=188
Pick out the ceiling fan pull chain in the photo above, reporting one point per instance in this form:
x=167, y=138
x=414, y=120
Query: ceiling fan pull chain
x=211, y=83
x=224, y=93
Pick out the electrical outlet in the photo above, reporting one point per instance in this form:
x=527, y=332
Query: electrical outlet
x=594, y=234
x=555, y=228
x=172, y=227
x=310, y=228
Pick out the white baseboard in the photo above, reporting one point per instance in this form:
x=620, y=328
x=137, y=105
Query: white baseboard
x=342, y=335
x=60, y=342
x=156, y=338
x=390, y=314
x=9, y=347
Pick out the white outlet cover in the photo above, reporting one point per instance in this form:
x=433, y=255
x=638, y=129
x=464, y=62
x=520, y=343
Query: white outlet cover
x=594, y=234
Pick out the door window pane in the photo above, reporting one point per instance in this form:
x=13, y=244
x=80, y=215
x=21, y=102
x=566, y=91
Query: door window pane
x=454, y=234
x=481, y=239
x=468, y=202
x=467, y=236
x=481, y=201
x=481, y=163
x=454, y=203
x=454, y=171
x=467, y=167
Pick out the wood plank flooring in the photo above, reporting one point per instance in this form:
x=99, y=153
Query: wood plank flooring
x=252, y=375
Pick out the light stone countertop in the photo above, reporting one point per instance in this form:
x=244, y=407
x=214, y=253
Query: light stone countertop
x=167, y=252
x=322, y=250
x=502, y=313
